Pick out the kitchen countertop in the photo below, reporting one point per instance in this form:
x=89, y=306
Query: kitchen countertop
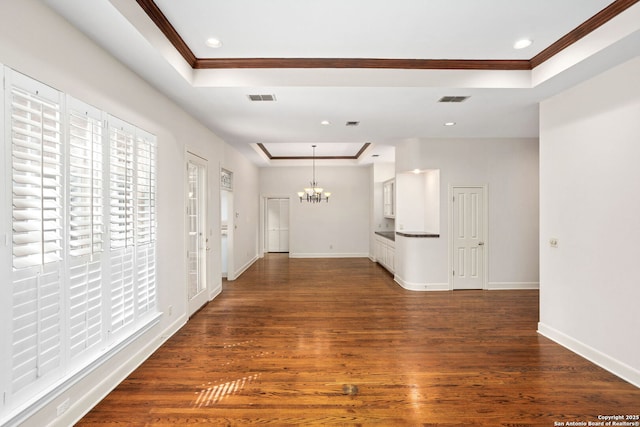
x=416, y=234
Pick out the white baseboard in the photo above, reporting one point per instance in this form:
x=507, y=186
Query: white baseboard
x=494, y=286
x=603, y=360
x=245, y=266
x=421, y=286
x=215, y=292
x=328, y=255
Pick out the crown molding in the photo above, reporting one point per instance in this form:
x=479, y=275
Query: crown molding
x=354, y=157
x=596, y=21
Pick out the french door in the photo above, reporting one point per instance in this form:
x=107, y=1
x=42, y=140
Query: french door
x=197, y=239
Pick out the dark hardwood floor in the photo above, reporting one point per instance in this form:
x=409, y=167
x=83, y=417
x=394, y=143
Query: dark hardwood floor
x=337, y=342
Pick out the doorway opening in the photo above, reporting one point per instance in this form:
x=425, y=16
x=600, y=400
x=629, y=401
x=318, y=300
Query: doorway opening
x=227, y=225
x=277, y=225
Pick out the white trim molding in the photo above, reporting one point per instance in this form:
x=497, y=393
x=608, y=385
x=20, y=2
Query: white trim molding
x=421, y=286
x=217, y=290
x=605, y=361
x=328, y=255
x=495, y=286
x=244, y=267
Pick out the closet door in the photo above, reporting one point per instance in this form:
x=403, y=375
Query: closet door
x=278, y=225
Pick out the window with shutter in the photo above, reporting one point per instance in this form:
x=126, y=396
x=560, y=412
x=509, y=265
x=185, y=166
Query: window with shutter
x=146, y=270
x=121, y=189
x=122, y=226
x=122, y=288
x=85, y=307
x=36, y=193
x=36, y=346
x=146, y=182
x=145, y=221
x=36, y=177
x=86, y=227
x=80, y=210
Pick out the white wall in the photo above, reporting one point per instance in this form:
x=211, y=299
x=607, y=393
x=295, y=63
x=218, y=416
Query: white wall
x=50, y=50
x=418, y=201
x=589, y=201
x=244, y=223
x=339, y=228
x=509, y=167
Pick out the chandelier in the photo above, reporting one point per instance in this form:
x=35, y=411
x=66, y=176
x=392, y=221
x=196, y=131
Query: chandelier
x=314, y=194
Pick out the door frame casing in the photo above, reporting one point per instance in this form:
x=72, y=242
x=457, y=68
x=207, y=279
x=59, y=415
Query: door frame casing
x=485, y=231
x=262, y=244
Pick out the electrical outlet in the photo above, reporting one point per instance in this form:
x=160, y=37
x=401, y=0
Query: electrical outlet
x=63, y=407
x=553, y=242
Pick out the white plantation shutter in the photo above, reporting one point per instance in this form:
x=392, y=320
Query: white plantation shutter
x=121, y=190
x=122, y=288
x=121, y=222
x=86, y=226
x=145, y=186
x=146, y=271
x=36, y=176
x=79, y=207
x=85, y=307
x=145, y=221
x=36, y=341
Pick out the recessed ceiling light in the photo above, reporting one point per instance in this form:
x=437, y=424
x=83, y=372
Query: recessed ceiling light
x=214, y=43
x=416, y=171
x=521, y=44
x=325, y=123
x=450, y=124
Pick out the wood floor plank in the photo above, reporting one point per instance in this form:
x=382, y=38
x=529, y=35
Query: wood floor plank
x=337, y=342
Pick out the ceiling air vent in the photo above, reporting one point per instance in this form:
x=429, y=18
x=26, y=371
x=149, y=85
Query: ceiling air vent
x=352, y=123
x=262, y=97
x=453, y=99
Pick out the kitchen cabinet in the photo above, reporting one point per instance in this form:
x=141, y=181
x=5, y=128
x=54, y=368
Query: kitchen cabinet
x=385, y=252
x=389, y=198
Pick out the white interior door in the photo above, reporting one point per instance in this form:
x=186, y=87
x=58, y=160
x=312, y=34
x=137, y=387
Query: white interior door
x=468, y=235
x=197, y=239
x=277, y=225
x=284, y=225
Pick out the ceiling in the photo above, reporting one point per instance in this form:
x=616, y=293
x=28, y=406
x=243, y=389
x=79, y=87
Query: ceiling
x=380, y=63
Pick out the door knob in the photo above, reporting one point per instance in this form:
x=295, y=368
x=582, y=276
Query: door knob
x=480, y=243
